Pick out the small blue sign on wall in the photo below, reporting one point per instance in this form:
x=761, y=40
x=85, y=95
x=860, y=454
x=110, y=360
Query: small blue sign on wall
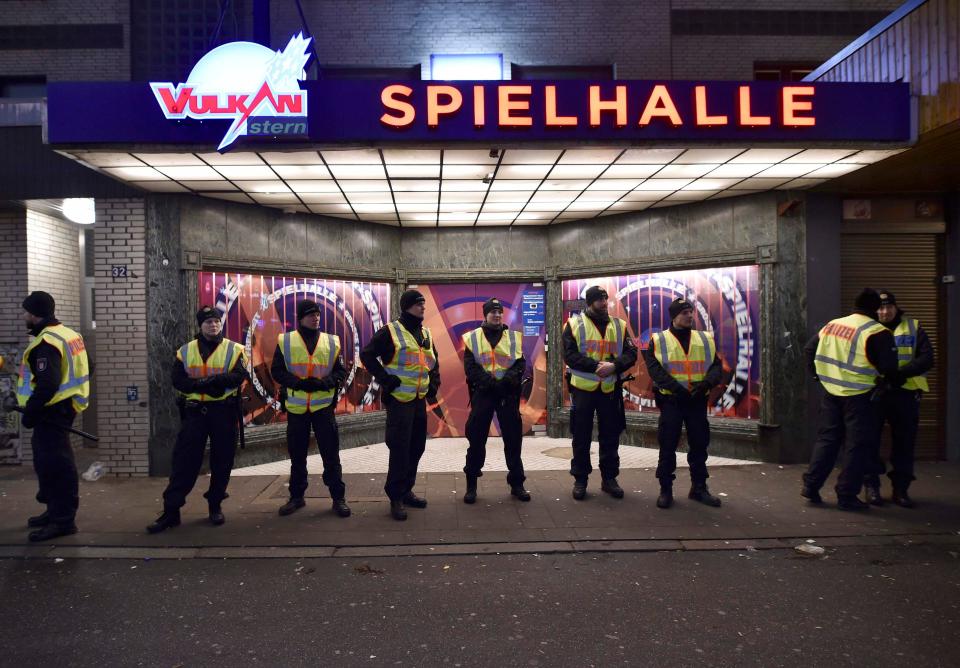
x=133, y=393
x=533, y=312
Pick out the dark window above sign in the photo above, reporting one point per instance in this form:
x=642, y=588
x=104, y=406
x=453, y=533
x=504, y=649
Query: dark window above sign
x=23, y=88
x=767, y=22
x=61, y=36
x=555, y=72
x=782, y=71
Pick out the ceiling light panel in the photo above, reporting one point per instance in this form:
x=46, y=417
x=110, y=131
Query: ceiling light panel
x=818, y=155
x=424, y=171
x=685, y=171
x=513, y=184
x=710, y=184
x=454, y=197
x=275, y=198
x=870, y=157
x=314, y=186
x=576, y=171
x=646, y=195
x=370, y=198
x=467, y=157
x=135, y=173
x=230, y=197
x=566, y=184
x=109, y=159
x=302, y=171
x=454, y=185
x=466, y=171
x=292, y=157
x=170, y=159
x=738, y=170
x=364, y=186
x=209, y=185
x=162, y=186
x=663, y=184
x=240, y=159
x=357, y=171
x=520, y=196
x=784, y=170
x=530, y=157
x=696, y=156
x=202, y=173
x=322, y=198
x=523, y=171
x=619, y=171
x=759, y=183
x=393, y=156
x=587, y=156
x=414, y=185
x=615, y=184
x=648, y=156
x=360, y=157
x=832, y=171
x=414, y=197
x=246, y=173
x=263, y=186
x=760, y=155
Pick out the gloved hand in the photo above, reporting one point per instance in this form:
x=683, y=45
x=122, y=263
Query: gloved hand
x=325, y=384
x=30, y=419
x=700, y=388
x=308, y=385
x=896, y=378
x=678, y=390
x=390, y=383
x=215, y=386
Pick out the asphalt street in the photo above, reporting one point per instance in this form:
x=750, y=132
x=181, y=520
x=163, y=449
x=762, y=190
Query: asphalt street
x=857, y=606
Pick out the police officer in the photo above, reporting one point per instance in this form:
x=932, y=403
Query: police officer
x=403, y=360
x=493, y=363
x=684, y=366
x=308, y=363
x=207, y=374
x=900, y=402
x=848, y=356
x=53, y=387
x=596, y=349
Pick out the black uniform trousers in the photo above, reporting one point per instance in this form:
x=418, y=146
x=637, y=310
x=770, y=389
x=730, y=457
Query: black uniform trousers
x=483, y=406
x=54, y=464
x=675, y=412
x=609, y=425
x=324, y=426
x=849, y=429
x=901, y=408
x=406, y=437
x=213, y=420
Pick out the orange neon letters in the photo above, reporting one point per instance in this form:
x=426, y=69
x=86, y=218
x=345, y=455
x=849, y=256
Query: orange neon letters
x=507, y=104
x=390, y=100
x=553, y=120
x=700, y=102
x=660, y=104
x=791, y=105
x=746, y=117
x=435, y=108
x=618, y=104
x=479, y=112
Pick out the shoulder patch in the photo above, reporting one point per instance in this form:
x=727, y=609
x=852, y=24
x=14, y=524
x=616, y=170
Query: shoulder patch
x=41, y=364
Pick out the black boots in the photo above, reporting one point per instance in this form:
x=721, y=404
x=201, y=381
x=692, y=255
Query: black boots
x=519, y=492
x=612, y=487
x=414, y=501
x=52, y=531
x=216, y=516
x=168, y=520
x=851, y=503
x=37, y=521
x=580, y=490
x=699, y=492
x=291, y=506
x=471, y=496
x=341, y=508
x=812, y=495
x=872, y=494
x=665, y=500
x=397, y=511
x=902, y=498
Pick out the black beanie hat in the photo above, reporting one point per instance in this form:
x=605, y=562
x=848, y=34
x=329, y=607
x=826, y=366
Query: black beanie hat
x=207, y=312
x=887, y=298
x=678, y=306
x=305, y=307
x=492, y=304
x=595, y=292
x=409, y=298
x=868, y=301
x=40, y=304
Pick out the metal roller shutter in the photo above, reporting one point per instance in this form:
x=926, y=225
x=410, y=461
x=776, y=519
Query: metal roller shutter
x=909, y=265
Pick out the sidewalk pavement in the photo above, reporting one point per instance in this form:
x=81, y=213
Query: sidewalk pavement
x=761, y=509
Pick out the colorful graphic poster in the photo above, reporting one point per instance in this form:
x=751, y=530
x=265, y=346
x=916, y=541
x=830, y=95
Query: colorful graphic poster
x=452, y=311
x=726, y=301
x=256, y=309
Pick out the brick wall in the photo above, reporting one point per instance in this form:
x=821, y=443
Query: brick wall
x=68, y=64
x=53, y=263
x=121, y=345
x=13, y=275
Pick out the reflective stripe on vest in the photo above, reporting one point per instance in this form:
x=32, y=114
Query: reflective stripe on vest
x=302, y=364
x=411, y=362
x=597, y=347
x=841, y=357
x=494, y=360
x=687, y=367
x=74, y=368
x=906, y=337
x=222, y=360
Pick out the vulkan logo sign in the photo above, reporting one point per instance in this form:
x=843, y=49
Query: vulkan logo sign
x=238, y=81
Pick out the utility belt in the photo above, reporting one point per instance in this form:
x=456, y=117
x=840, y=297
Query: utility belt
x=203, y=407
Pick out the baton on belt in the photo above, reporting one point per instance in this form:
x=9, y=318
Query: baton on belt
x=89, y=437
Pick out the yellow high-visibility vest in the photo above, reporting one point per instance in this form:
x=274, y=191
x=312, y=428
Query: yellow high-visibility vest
x=686, y=367
x=302, y=364
x=74, y=368
x=495, y=360
x=596, y=346
x=841, y=359
x=222, y=360
x=411, y=362
x=906, y=337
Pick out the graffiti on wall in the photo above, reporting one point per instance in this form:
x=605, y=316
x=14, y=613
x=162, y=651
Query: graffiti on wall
x=257, y=309
x=9, y=420
x=726, y=301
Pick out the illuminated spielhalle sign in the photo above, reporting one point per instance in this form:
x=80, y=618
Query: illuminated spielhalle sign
x=263, y=93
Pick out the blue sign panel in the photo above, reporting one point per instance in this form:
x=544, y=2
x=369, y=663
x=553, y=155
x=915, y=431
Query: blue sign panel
x=533, y=312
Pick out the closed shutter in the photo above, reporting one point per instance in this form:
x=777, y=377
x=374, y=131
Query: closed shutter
x=909, y=265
